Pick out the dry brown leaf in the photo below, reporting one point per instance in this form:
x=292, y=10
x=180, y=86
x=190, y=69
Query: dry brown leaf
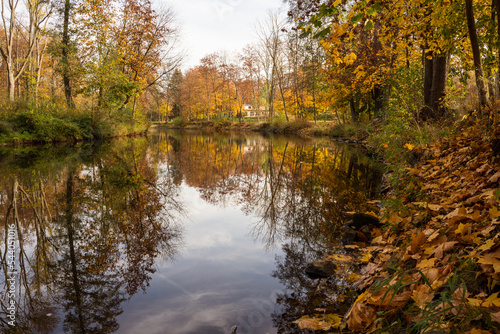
x=443, y=248
x=417, y=242
x=387, y=298
x=495, y=317
x=429, y=263
x=361, y=315
x=422, y=295
x=490, y=261
x=489, y=244
x=463, y=229
x=494, y=178
x=486, y=232
x=318, y=323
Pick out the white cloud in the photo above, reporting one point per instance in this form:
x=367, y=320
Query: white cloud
x=214, y=25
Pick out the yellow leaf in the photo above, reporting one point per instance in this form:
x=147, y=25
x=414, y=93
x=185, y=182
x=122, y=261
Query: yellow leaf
x=490, y=260
x=463, y=229
x=337, y=2
x=410, y=146
x=474, y=301
x=487, y=245
x=319, y=323
x=492, y=300
x=494, y=213
x=422, y=295
x=429, y=263
x=341, y=258
x=366, y=258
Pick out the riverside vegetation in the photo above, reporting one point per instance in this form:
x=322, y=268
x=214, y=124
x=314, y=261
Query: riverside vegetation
x=414, y=82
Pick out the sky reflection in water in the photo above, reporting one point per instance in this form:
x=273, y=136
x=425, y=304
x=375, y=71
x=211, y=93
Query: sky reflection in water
x=220, y=279
x=179, y=233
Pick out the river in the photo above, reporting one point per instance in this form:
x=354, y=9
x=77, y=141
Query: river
x=177, y=232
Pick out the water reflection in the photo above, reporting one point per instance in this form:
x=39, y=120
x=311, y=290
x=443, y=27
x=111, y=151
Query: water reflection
x=297, y=189
x=298, y=192
x=88, y=230
x=95, y=223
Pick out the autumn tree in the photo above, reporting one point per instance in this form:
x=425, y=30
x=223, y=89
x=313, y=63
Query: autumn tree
x=270, y=35
x=17, y=58
x=252, y=76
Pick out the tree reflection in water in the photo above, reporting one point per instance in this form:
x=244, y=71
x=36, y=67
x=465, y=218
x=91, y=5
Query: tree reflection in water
x=90, y=225
x=299, y=191
x=92, y=221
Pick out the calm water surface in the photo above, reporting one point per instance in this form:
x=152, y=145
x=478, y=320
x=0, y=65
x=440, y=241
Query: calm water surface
x=180, y=232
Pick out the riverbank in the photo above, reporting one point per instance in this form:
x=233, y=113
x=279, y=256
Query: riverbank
x=20, y=124
x=349, y=132
x=433, y=264
x=395, y=142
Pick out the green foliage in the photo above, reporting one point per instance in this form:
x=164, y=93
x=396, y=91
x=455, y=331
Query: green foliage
x=347, y=130
x=406, y=96
x=448, y=309
x=19, y=121
x=44, y=126
x=222, y=122
x=179, y=121
x=278, y=122
x=296, y=125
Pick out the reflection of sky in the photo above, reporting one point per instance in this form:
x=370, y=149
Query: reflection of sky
x=221, y=279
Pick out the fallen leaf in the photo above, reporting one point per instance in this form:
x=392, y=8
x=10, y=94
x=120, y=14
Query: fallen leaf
x=429, y=263
x=492, y=300
x=486, y=232
x=340, y=258
x=474, y=302
x=487, y=245
x=361, y=315
x=366, y=257
x=314, y=324
x=422, y=295
x=463, y=229
x=410, y=146
x=494, y=213
x=390, y=299
x=495, y=316
x=443, y=248
x=417, y=242
x=490, y=261
x=477, y=331
x=494, y=178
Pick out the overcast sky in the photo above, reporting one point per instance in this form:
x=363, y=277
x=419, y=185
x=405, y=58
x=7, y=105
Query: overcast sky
x=215, y=25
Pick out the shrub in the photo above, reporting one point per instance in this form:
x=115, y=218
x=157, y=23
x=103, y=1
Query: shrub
x=45, y=127
x=296, y=125
x=179, y=121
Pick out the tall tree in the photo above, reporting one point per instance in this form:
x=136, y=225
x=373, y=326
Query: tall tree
x=65, y=53
x=15, y=62
x=476, y=53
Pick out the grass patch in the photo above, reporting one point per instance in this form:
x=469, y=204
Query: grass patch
x=20, y=122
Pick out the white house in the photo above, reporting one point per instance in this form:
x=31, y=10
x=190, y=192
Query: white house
x=254, y=112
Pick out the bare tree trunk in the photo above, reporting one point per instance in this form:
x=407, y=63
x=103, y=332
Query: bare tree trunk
x=65, y=55
x=476, y=53
x=354, y=112
x=428, y=73
x=497, y=5
x=438, y=85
